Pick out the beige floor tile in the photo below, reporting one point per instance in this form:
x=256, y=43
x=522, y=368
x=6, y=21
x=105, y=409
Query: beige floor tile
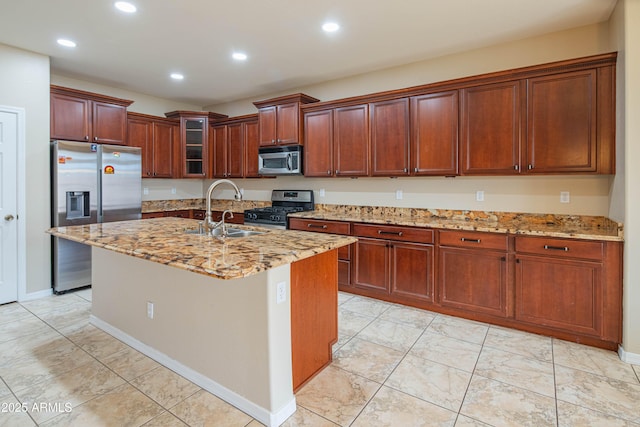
x=372, y=361
x=461, y=329
x=13, y=414
x=54, y=302
x=26, y=345
x=436, y=383
x=23, y=327
x=4, y=390
x=637, y=370
x=67, y=315
x=366, y=306
x=96, y=342
x=393, y=408
x=530, y=374
x=122, y=406
x=130, y=363
x=255, y=423
x=344, y=297
x=594, y=360
x=165, y=386
x=350, y=323
x=44, y=363
x=463, y=421
x=519, y=342
x=501, y=404
x=205, y=409
x=305, y=418
x=166, y=419
x=336, y=395
x=74, y=387
x=419, y=319
x=85, y=294
x=570, y=415
x=12, y=312
x=391, y=334
x=615, y=397
x=449, y=351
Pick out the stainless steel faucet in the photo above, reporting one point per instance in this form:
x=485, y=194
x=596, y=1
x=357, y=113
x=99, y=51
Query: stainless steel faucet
x=209, y=224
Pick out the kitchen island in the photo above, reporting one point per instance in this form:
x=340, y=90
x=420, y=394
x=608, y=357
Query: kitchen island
x=249, y=319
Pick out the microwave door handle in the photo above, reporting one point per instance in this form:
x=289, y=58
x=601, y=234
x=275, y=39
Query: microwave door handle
x=289, y=165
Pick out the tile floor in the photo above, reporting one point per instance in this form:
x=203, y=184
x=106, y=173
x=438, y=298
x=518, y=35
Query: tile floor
x=393, y=366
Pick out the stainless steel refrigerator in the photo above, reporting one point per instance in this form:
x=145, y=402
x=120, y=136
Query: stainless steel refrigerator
x=90, y=183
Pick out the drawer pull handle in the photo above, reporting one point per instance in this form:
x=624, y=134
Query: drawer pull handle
x=316, y=226
x=557, y=248
x=464, y=239
x=395, y=233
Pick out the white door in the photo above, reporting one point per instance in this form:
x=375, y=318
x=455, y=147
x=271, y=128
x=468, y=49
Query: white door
x=8, y=206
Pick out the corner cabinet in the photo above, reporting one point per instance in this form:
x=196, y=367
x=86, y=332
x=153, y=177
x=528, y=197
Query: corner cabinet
x=194, y=141
x=87, y=117
x=279, y=120
x=159, y=139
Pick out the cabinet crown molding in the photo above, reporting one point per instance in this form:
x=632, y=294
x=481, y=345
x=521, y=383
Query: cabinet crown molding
x=296, y=97
x=89, y=95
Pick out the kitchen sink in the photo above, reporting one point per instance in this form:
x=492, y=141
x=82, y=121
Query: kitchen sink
x=231, y=232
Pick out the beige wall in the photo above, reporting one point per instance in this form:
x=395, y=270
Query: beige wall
x=24, y=82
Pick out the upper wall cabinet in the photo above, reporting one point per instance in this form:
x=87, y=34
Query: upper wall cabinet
x=389, y=133
x=159, y=139
x=84, y=116
x=234, y=148
x=279, y=119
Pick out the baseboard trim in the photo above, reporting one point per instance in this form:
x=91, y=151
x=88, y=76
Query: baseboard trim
x=270, y=419
x=35, y=295
x=627, y=357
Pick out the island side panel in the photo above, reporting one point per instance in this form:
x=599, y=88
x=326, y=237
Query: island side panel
x=314, y=314
x=232, y=332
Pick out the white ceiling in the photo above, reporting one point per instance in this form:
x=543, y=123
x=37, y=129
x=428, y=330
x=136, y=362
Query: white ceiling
x=286, y=47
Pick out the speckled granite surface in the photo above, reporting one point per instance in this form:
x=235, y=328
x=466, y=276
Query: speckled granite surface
x=218, y=205
x=163, y=240
x=567, y=226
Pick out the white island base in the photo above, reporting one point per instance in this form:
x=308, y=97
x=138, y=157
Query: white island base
x=230, y=337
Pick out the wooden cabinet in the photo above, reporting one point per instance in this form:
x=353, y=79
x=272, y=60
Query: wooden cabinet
x=394, y=260
x=351, y=141
x=84, y=116
x=473, y=272
x=159, y=140
x=279, y=119
x=234, y=148
x=563, y=284
x=389, y=137
x=434, y=134
x=334, y=227
x=318, y=143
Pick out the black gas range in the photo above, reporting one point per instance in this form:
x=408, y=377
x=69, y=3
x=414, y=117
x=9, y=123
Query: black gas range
x=283, y=202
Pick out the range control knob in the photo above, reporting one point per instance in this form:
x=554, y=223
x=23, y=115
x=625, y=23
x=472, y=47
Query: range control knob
x=275, y=218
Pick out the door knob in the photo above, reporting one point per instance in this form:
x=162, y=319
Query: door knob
x=8, y=217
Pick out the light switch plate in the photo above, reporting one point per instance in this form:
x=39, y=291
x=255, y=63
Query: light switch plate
x=281, y=292
x=480, y=196
x=398, y=194
x=145, y=191
x=565, y=197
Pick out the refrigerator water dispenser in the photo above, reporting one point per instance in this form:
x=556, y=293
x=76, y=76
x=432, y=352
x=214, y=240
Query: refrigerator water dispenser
x=78, y=205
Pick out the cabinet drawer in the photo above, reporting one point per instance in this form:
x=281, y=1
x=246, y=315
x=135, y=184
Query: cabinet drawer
x=198, y=214
x=473, y=239
x=147, y=215
x=335, y=227
x=404, y=234
x=180, y=213
x=566, y=248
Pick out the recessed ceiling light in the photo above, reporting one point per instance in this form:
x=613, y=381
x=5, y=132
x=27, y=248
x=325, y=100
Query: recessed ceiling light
x=125, y=6
x=239, y=56
x=66, y=43
x=177, y=76
x=330, y=27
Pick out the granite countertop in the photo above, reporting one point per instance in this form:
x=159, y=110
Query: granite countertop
x=548, y=225
x=164, y=241
x=216, y=205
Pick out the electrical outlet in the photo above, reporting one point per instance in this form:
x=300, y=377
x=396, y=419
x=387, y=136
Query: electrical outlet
x=565, y=197
x=398, y=194
x=321, y=192
x=173, y=190
x=149, y=309
x=145, y=191
x=480, y=196
x=281, y=292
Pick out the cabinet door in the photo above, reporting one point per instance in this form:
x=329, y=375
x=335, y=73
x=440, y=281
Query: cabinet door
x=389, y=124
x=219, y=154
x=559, y=293
x=70, y=118
x=109, y=123
x=251, y=145
x=140, y=134
x=318, y=143
x=474, y=280
x=561, y=123
x=412, y=271
x=267, y=125
x=434, y=138
x=372, y=265
x=235, y=150
x=491, y=129
x=194, y=147
x=287, y=123
x=162, y=153
x=351, y=141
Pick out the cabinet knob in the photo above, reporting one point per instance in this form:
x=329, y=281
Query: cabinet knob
x=95, y=138
x=273, y=141
x=530, y=167
x=86, y=137
x=155, y=174
x=329, y=172
x=337, y=171
x=405, y=170
x=516, y=167
x=415, y=170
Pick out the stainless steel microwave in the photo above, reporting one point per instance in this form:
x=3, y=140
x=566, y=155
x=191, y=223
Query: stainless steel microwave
x=281, y=160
